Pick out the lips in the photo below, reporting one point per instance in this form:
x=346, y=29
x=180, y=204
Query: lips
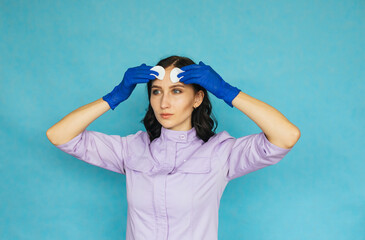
x=166, y=115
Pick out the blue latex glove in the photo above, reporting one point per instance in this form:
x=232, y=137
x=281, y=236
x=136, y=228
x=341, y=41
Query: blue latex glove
x=132, y=77
x=206, y=77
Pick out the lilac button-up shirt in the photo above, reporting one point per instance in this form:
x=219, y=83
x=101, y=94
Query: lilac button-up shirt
x=174, y=183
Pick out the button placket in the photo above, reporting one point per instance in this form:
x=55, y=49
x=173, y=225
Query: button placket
x=160, y=191
x=170, y=158
x=160, y=206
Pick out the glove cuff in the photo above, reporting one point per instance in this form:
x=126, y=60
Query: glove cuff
x=112, y=98
x=230, y=93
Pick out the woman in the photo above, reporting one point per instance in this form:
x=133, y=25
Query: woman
x=177, y=170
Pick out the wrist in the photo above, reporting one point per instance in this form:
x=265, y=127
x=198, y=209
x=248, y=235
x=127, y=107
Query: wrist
x=231, y=93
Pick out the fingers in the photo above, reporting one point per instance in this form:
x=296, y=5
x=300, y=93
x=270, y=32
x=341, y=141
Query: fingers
x=144, y=71
x=143, y=77
x=153, y=72
x=147, y=69
x=194, y=72
x=190, y=80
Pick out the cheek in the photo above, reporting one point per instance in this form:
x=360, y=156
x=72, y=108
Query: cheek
x=184, y=105
x=153, y=102
x=180, y=102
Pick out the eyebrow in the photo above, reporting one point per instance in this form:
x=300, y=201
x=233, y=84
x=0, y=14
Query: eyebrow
x=177, y=85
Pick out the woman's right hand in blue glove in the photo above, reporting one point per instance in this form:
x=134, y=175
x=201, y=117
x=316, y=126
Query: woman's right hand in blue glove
x=133, y=76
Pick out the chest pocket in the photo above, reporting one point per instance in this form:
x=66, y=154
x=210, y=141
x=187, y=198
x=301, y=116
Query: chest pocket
x=191, y=165
x=195, y=165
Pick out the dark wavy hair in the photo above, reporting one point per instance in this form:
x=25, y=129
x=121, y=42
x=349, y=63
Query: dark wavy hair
x=202, y=117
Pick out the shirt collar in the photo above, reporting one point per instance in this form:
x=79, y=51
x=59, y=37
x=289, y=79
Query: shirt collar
x=178, y=136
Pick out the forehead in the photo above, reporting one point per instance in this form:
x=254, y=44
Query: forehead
x=166, y=81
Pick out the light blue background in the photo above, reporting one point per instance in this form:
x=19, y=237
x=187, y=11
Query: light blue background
x=305, y=58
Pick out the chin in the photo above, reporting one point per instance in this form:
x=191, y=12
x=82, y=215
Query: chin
x=167, y=125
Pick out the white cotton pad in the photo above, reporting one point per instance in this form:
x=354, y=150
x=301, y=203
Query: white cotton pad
x=160, y=70
x=173, y=74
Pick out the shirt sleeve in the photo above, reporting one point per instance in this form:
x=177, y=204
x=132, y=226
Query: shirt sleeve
x=249, y=153
x=99, y=149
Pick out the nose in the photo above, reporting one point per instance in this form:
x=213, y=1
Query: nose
x=165, y=101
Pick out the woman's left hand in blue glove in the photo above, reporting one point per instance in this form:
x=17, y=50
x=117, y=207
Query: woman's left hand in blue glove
x=206, y=77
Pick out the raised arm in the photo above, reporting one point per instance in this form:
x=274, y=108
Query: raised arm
x=76, y=122
x=277, y=128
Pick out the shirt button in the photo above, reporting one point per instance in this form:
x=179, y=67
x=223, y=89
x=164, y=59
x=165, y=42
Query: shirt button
x=184, y=160
x=182, y=136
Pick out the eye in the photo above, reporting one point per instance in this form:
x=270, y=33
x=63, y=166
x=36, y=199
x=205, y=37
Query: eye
x=154, y=92
x=178, y=90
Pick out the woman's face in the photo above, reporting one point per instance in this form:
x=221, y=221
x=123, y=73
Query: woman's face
x=177, y=99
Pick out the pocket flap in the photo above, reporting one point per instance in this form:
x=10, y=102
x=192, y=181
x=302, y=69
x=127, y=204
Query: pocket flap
x=196, y=165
